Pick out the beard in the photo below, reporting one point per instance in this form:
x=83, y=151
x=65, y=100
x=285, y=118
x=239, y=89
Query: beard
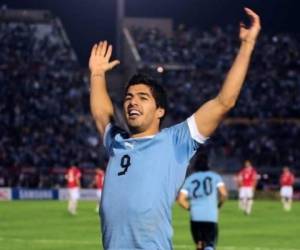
x=134, y=125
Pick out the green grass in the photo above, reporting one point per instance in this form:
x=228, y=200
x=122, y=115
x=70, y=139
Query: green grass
x=45, y=225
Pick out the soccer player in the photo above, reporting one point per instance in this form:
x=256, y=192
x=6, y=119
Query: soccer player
x=199, y=194
x=287, y=180
x=99, y=179
x=147, y=166
x=247, y=180
x=73, y=176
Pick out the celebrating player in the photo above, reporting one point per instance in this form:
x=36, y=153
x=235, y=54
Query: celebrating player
x=199, y=194
x=73, y=176
x=147, y=166
x=287, y=180
x=247, y=180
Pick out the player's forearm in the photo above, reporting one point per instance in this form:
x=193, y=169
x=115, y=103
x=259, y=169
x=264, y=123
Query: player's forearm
x=100, y=102
x=236, y=76
x=223, y=195
x=183, y=202
x=185, y=205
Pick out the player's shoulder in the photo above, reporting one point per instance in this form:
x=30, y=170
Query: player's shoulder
x=198, y=175
x=192, y=177
x=113, y=133
x=213, y=175
x=254, y=171
x=174, y=133
x=174, y=127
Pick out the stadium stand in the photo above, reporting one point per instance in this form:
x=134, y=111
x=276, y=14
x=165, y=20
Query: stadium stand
x=45, y=121
x=45, y=118
x=266, y=119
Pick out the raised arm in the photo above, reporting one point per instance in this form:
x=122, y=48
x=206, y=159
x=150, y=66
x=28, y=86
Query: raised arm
x=100, y=102
x=210, y=114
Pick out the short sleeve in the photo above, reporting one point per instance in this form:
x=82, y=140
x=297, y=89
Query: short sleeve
x=186, y=139
x=195, y=134
x=219, y=181
x=185, y=187
x=109, y=135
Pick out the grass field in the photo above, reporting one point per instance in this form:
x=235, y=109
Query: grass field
x=45, y=225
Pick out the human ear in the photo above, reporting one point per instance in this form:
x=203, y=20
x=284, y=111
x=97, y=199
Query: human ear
x=160, y=113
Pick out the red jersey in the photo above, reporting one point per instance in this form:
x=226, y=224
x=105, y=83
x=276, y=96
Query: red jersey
x=287, y=179
x=73, y=176
x=247, y=177
x=99, y=179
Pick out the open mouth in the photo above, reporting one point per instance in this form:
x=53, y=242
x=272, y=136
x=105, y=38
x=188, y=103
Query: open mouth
x=133, y=113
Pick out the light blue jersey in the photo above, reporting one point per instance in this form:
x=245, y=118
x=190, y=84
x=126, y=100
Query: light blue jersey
x=202, y=191
x=142, y=179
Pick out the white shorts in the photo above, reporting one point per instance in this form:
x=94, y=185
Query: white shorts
x=286, y=191
x=246, y=193
x=74, y=193
x=99, y=193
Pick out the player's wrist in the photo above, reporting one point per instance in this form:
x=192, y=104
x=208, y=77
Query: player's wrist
x=248, y=44
x=249, y=40
x=97, y=73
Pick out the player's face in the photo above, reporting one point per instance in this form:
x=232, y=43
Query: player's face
x=248, y=164
x=140, y=109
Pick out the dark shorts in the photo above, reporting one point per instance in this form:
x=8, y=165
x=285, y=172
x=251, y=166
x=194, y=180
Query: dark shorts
x=207, y=232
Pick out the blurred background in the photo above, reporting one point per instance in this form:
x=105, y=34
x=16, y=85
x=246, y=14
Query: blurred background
x=188, y=46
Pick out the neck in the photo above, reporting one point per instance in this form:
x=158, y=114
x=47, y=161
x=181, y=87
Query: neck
x=137, y=134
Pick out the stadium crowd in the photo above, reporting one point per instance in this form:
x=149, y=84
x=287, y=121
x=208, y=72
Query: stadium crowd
x=274, y=70
x=266, y=143
x=271, y=93
x=45, y=119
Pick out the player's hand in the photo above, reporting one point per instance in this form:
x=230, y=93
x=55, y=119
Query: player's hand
x=249, y=34
x=99, y=62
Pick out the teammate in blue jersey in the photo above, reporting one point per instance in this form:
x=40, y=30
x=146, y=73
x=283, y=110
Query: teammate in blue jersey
x=147, y=166
x=202, y=193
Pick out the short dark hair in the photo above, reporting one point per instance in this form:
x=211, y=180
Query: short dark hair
x=158, y=92
x=201, y=160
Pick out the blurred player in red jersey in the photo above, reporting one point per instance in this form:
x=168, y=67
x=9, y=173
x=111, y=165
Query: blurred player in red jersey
x=247, y=180
x=73, y=176
x=99, y=180
x=287, y=180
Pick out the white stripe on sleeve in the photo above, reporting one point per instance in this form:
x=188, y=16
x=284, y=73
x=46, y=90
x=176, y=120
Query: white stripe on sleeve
x=194, y=130
x=184, y=191
x=220, y=184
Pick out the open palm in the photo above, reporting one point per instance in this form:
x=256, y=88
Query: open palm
x=100, y=58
